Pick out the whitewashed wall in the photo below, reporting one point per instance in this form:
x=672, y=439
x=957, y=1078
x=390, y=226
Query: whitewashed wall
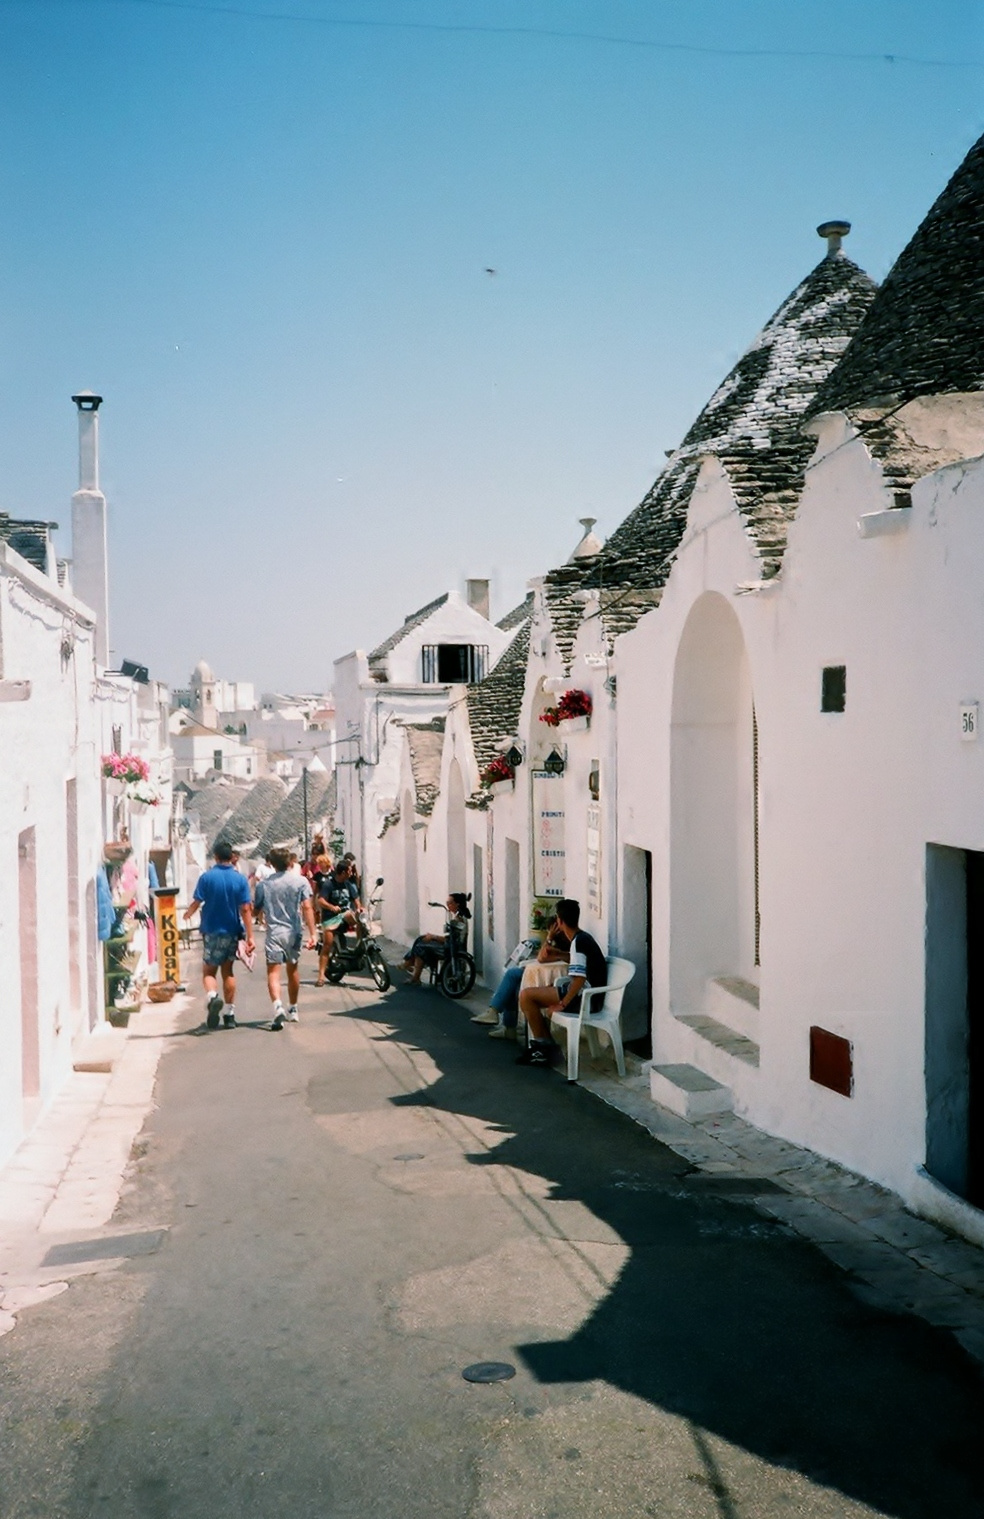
x=46, y=742
x=848, y=802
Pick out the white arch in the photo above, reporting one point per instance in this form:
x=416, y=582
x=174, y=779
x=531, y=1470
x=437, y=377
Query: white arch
x=457, y=863
x=712, y=806
x=411, y=888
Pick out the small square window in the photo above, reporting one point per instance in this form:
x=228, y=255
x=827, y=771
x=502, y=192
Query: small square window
x=833, y=690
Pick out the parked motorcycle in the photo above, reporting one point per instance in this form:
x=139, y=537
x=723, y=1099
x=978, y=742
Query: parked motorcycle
x=455, y=973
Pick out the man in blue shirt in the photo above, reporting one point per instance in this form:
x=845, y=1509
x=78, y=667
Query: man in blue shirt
x=227, y=916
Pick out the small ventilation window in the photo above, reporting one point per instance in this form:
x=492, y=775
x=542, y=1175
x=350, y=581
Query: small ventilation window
x=833, y=689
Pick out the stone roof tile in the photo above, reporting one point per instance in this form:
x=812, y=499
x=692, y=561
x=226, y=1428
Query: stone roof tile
x=286, y=827
x=244, y=827
x=752, y=424
x=494, y=703
x=922, y=335
x=426, y=743
x=380, y=652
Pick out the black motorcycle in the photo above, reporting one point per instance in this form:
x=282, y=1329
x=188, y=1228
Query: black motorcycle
x=355, y=953
x=455, y=970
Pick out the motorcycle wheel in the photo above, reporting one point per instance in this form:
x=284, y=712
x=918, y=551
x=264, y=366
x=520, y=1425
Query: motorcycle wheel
x=457, y=976
x=334, y=970
x=378, y=968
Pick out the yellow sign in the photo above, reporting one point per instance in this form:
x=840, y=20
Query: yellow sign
x=168, y=964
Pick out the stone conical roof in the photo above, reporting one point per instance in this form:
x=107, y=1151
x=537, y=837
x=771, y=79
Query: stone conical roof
x=752, y=424
x=923, y=334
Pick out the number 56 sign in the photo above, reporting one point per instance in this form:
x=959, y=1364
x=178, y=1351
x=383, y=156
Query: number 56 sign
x=969, y=722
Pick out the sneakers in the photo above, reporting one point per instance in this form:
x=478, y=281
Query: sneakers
x=502, y=1032
x=538, y=1053
x=229, y=1021
x=214, y=1006
x=489, y=1016
x=292, y=1015
x=279, y=1017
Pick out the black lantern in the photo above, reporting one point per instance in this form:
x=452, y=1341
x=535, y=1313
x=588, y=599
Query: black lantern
x=555, y=764
x=513, y=756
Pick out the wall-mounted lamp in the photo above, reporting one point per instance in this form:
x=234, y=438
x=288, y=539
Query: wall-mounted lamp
x=514, y=756
x=594, y=781
x=554, y=764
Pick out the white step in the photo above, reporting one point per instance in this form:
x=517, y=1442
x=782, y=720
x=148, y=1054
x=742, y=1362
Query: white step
x=734, y=1002
x=688, y=1092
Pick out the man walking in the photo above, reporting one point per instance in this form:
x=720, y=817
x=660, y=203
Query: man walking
x=284, y=899
x=223, y=896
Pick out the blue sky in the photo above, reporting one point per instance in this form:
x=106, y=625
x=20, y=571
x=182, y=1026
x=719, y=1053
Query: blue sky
x=263, y=238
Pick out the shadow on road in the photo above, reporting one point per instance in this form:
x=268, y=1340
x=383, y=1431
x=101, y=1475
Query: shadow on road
x=719, y=1316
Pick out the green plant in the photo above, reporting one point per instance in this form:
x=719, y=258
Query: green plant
x=542, y=913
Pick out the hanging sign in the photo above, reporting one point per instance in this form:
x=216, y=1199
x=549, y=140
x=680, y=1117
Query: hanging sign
x=594, y=859
x=549, y=852
x=166, y=914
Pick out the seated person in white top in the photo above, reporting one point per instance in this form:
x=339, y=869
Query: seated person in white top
x=539, y=1003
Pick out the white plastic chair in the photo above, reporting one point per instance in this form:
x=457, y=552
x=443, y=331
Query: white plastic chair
x=603, y=1021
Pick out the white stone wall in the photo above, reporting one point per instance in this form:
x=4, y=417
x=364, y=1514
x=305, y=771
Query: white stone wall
x=848, y=802
x=47, y=741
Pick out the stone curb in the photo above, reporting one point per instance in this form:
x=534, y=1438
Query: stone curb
x=65, y=1178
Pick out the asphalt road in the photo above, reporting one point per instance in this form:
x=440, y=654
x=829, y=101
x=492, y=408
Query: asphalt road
x=358, y=1208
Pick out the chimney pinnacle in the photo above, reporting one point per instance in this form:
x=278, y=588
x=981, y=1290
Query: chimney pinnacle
x=87, y=400
x=834, y=232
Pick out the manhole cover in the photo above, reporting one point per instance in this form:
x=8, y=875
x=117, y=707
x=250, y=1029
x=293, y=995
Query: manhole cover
x=489, y=1371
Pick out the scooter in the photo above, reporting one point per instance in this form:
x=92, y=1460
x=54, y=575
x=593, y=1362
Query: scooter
x=455, y=971
x=354, y=953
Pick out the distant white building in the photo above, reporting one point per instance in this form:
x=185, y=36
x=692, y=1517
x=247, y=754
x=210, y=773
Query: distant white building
x=406, y=678
x=200, y=752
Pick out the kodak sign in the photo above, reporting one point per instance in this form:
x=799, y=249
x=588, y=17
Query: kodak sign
x=166, y=912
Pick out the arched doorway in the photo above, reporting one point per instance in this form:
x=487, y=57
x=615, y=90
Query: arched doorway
x=457, y=868
x=411, y=889
x=713, y=807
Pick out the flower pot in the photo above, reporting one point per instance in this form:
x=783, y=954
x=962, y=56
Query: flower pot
x=139, y=807
x=574, y=724
x=119, y=1017
x=498, y=787
x=113, y=786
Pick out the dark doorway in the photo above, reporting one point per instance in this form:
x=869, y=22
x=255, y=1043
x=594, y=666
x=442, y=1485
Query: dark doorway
x=637, y=946
x=954, y=1043
x=975, y=1027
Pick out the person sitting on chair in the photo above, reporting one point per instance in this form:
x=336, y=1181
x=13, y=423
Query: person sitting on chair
x=503, y=1008
x=538, y=1004
x=338, y=899
x=426, y=948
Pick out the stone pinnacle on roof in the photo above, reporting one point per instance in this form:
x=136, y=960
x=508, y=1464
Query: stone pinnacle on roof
x=922, y=335
x=835, y=233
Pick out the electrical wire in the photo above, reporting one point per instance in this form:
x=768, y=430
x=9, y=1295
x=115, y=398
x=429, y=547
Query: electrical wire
x=550, y=33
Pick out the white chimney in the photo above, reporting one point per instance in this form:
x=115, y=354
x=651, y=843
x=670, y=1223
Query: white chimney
x=90, y=565
x=478, y=596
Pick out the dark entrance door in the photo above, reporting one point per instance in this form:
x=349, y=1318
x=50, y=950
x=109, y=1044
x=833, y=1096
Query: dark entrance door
x=975, y=1027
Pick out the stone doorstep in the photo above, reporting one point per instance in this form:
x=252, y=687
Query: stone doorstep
x=739, y=1046
x=687, y=1091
